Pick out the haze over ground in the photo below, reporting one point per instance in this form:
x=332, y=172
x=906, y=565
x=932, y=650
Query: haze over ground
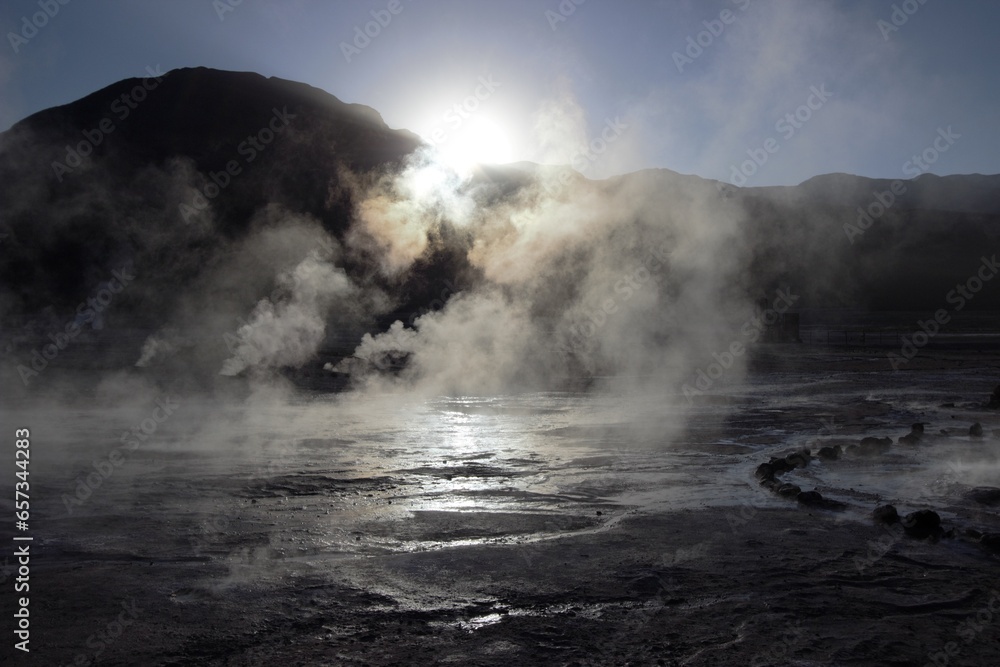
x=276, y=228
x=301, y=388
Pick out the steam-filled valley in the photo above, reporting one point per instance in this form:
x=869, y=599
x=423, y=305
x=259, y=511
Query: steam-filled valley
x=251, y=257
x=299, y=391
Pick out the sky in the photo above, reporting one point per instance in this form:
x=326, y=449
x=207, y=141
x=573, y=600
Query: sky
x=751, y=92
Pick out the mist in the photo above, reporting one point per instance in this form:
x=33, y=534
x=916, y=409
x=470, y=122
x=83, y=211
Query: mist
x=341, y=377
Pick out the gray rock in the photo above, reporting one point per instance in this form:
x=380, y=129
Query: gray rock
x=986, y=495
x=764, y=471
x=799, y=459
x=788, y=490
x=830, y=453
x=886, y=514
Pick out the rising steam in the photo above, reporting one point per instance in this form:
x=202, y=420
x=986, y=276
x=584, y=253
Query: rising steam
x=562, y=279
x=288, y=333
x=577, y=278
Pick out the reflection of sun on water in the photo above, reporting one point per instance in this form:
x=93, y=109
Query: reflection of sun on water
x=461, y=439
x=467, y=446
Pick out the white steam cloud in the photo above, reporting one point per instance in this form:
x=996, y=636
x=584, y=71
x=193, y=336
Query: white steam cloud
x=288, y=333
x=633, y=279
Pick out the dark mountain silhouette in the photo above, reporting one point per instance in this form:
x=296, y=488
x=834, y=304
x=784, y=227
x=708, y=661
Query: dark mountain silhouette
x=904, y=256
x=67, y=229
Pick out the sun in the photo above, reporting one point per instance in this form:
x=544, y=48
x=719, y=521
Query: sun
x=477, y=141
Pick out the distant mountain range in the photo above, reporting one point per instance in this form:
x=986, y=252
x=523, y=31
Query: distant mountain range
x=178, y=173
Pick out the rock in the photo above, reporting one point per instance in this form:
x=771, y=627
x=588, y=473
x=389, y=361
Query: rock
x=788, y=490
x=816, y=499
x=922, y=523
x=976, y=430
x=830, y=453
x=780, y=465
x=810, y=498
x=764, y=471
x=886, y=514
x=914, y=436
x=991, y=541
x=799, y=459
x=870, y=446
x=994, y=403
x=986, y=495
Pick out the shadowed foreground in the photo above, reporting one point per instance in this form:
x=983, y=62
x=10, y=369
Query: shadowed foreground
x=498, y=549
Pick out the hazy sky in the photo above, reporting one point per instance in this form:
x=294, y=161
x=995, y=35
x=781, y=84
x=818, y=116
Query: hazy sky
x=562, y=74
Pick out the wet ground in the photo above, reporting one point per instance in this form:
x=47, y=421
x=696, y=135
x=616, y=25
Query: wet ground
x=550, y=529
